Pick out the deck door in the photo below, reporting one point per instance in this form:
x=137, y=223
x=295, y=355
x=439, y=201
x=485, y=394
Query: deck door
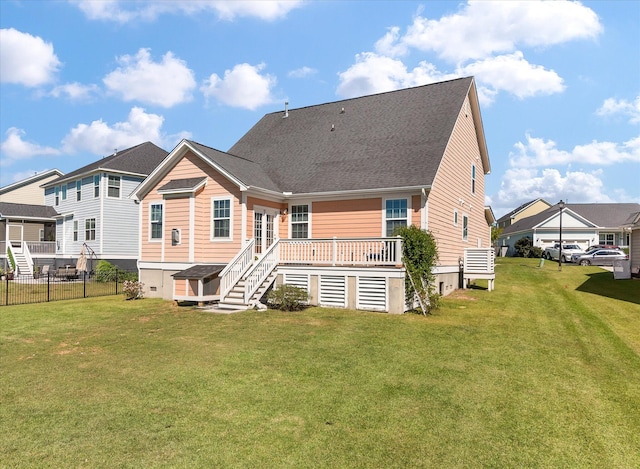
x=264, y=228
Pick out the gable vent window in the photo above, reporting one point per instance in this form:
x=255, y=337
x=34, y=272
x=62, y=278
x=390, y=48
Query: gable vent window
x=473, y=179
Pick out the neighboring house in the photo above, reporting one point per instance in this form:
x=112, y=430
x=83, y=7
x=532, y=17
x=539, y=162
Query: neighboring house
x=633, y=226
x=582, y=224
x=28, y=190
x=312, y=197
x=94, y=208
x=29, y=231
x=525, y=210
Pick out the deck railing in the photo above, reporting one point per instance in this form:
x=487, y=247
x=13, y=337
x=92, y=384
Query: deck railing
x=41, y=247
x=236, y=268
x=260, y=271
x=342, y=251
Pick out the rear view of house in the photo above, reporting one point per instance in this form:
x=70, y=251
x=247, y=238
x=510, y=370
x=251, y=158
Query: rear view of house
x=312, y=197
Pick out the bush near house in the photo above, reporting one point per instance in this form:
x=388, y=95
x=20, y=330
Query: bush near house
x=524, y=248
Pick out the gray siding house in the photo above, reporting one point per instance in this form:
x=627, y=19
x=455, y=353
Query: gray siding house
x=582, y=224
x=94, y=209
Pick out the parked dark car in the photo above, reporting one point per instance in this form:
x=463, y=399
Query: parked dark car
x=601, y=257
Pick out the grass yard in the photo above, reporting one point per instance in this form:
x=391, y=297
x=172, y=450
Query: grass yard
x=542, y=372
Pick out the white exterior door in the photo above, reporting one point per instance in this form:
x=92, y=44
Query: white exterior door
x=264, y=228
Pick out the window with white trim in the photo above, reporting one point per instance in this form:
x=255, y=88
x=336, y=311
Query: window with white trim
x=299, y=221
x=465, y=227
x=64, y=192
x=473, y=178
x=90, y=229
x=155, y=220
x=75, y=230
x=57, y=191
x=96, y=186
x=78, y=191
x=395, y=215
x=221, y=219
x=455, y=217
x=113, y=186
x=41, y=234
x=607, y=238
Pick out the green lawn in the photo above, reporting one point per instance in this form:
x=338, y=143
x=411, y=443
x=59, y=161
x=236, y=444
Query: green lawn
x=542, y=372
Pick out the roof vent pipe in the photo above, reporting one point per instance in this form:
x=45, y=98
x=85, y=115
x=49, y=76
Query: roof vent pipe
x=286, y=109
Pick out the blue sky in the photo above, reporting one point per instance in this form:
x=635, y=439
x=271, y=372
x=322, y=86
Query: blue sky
x=559, y=82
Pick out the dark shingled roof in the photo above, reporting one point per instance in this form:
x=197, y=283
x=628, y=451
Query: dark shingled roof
x=182, y=184
x=394, y=139
x=11, y=210
x=200, y=271
x=247, y=171
x=601, y=215
x=141, y=159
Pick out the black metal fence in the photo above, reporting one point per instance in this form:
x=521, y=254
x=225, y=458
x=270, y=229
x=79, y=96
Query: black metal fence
x=55, y=287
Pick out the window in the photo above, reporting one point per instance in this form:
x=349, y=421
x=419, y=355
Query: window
x=395, y=215
x=473, y=178
x=75, y=230
x=156, y=221
x=221, y=219
x=41, y=234
x=465, y=228
x=90, y=229
x=455, y=218
x=113, y=187
x=78, y=191
x=96, y=185
x=64, y=192
x=299, y=221
x=57, y=195
x=607, y=238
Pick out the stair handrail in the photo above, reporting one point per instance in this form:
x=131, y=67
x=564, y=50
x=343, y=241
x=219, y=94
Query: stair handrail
x=261, y=270
x=234, y=270
x=27, y=256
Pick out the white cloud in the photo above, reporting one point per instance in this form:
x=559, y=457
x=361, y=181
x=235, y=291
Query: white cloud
x=483, y=28
x=25, y=59
x=520, y=185
x=612, y=107
x=302, y=72
x=164, y=83
x=539, y=152
x=75, y=91
x=124, y=12
x=100, y=138
x=14, y=147
x=513, y=74
x=242, y=87
x=373, y=73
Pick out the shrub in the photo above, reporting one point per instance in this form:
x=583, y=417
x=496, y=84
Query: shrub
x=106, y=271
x=288, y=298
x=420, y=256
x=133, y=289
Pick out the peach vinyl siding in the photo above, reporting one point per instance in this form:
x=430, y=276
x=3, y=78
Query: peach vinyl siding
x=176, y=215
x=177, y=212
x=346, y=218
x=452, y=191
